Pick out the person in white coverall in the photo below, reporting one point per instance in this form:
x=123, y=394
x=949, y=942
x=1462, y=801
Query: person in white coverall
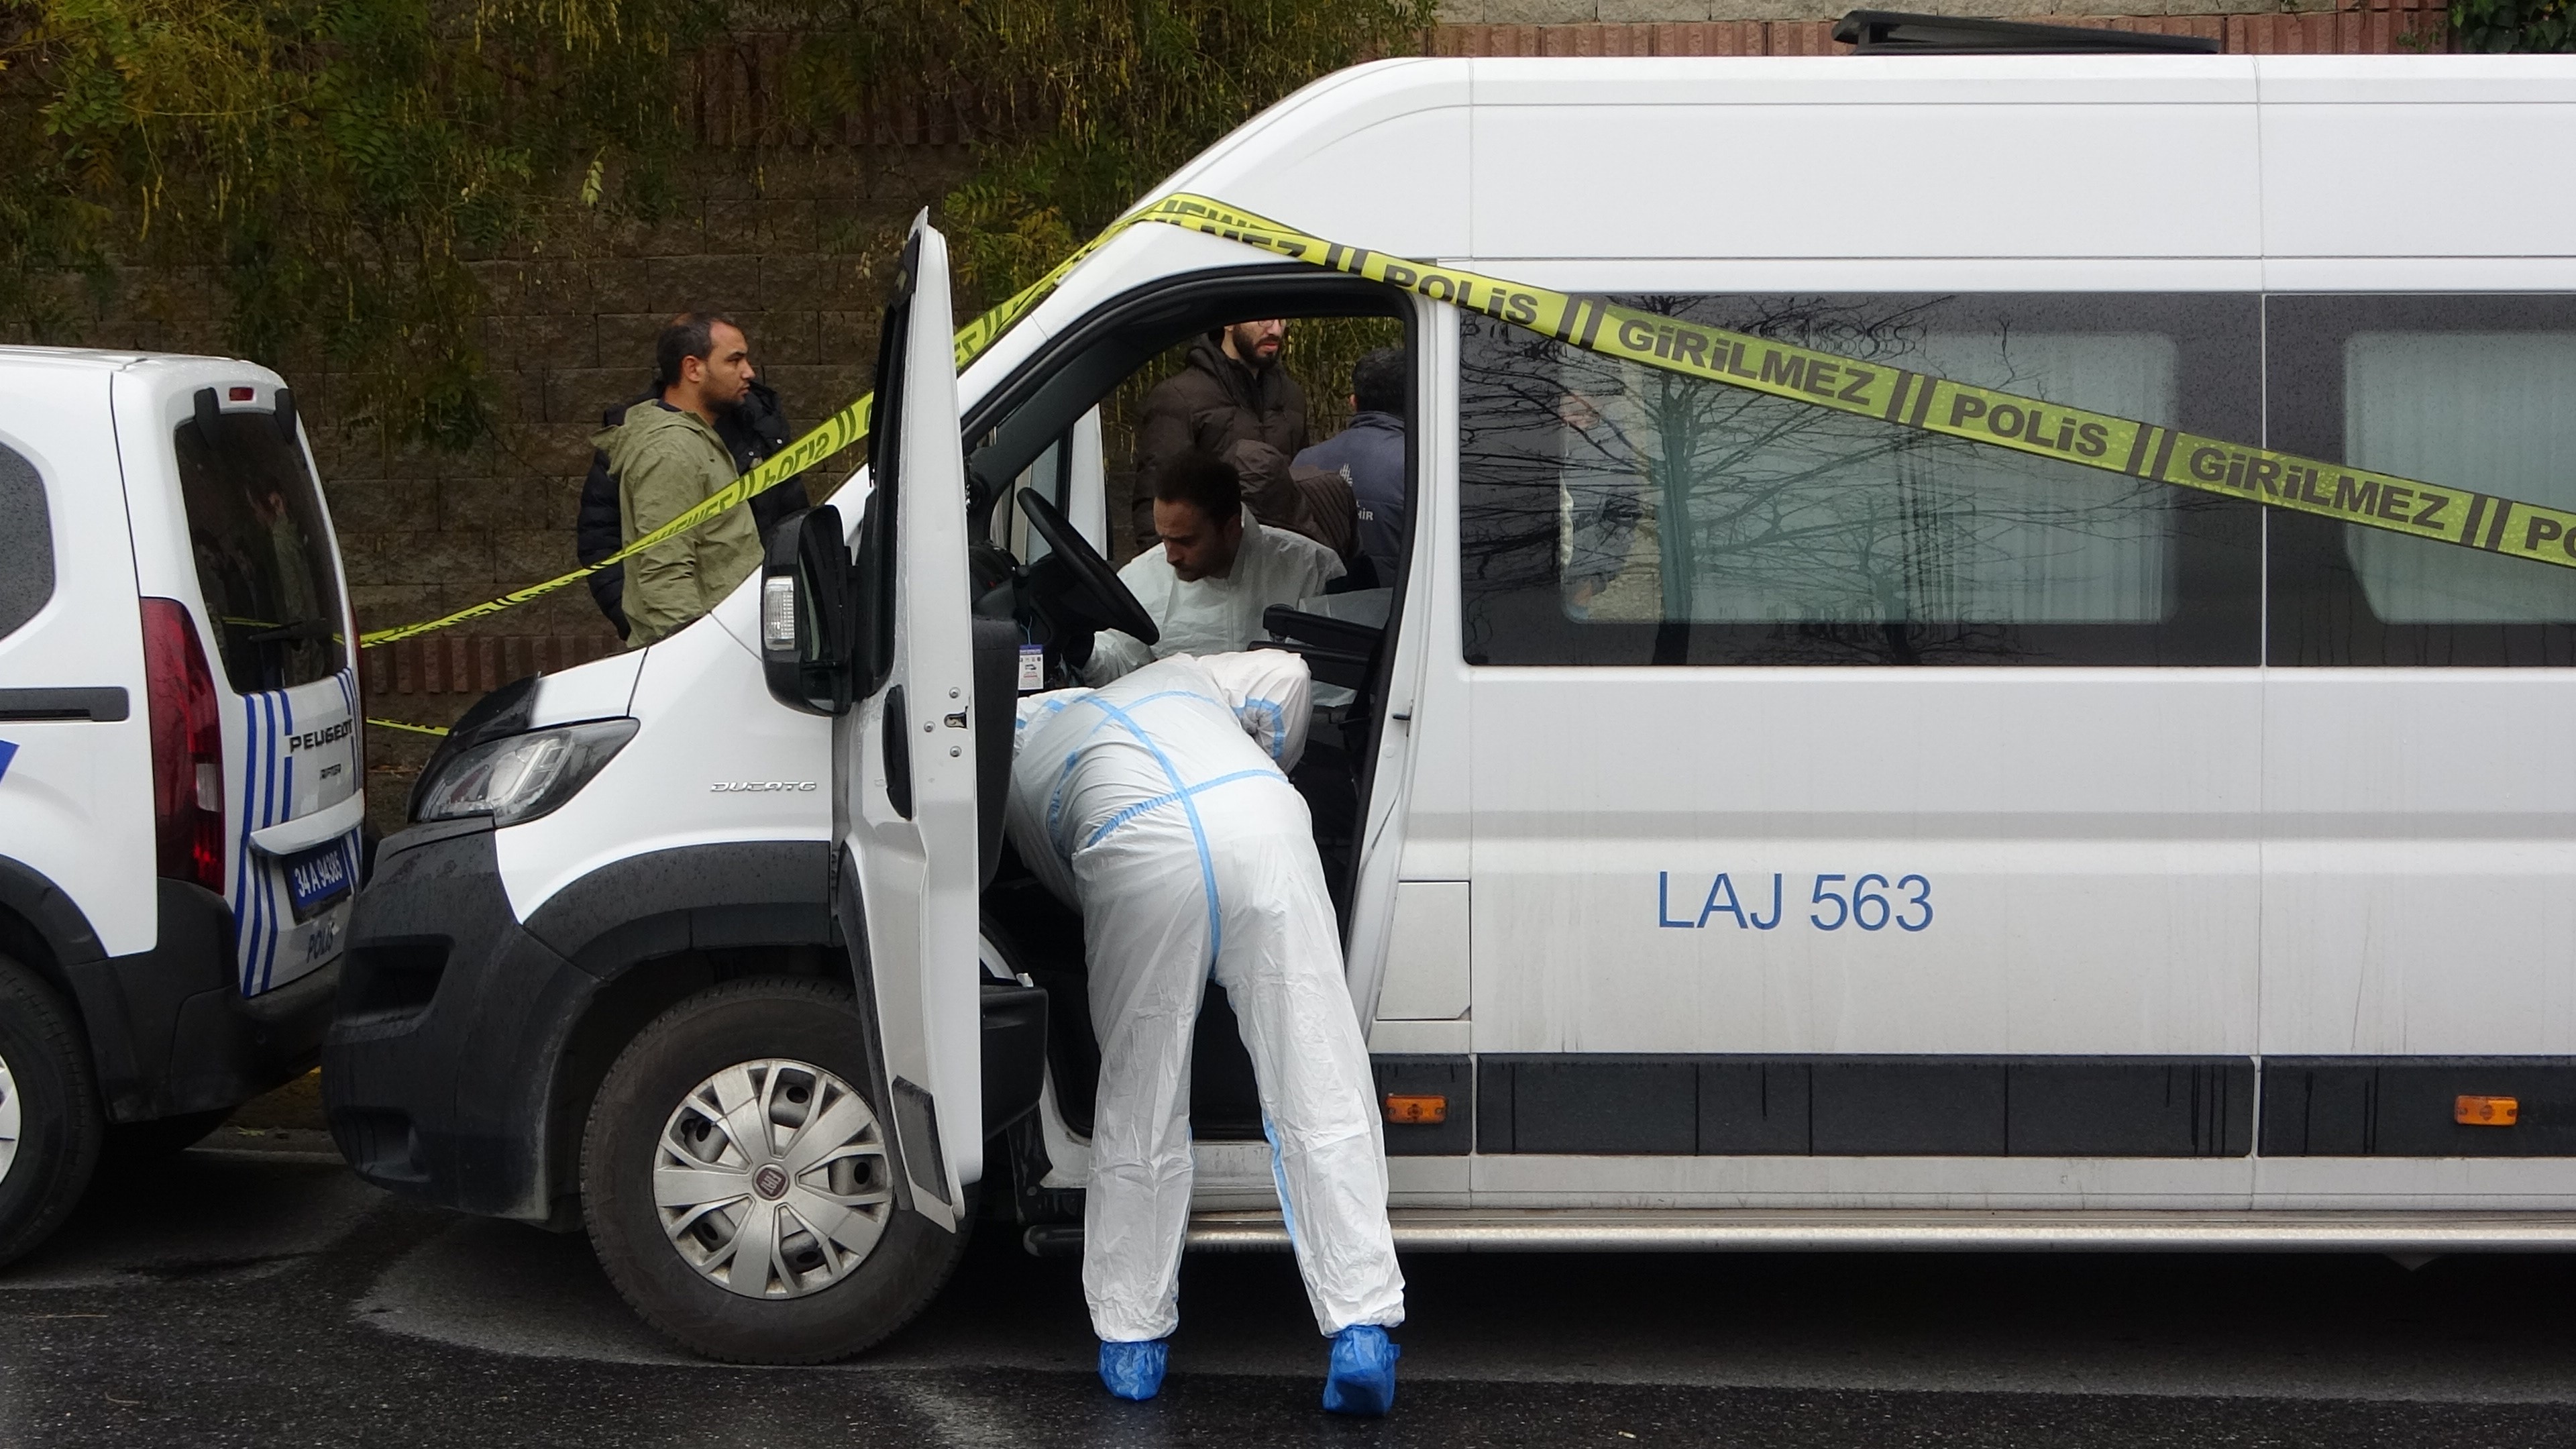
x=1157, y=805
x=1211, y=572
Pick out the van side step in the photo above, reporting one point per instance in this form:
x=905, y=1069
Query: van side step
x=1425, y=1230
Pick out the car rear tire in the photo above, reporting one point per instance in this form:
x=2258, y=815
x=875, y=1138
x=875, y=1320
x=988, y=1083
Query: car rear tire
x=50, y=1122
x=835, y=1264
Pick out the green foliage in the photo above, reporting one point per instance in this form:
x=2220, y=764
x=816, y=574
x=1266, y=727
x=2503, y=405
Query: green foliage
x=335, y=170
x=330, y=170
x=2514, y=25
x=1094, y=102
x=1116, y=97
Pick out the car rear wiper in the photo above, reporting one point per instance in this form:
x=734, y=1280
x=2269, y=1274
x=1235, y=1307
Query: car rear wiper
x=283, y=633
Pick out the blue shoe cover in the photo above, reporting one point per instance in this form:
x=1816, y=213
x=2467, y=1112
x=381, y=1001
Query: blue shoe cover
x=1133, y=1370
x=1362, y=1379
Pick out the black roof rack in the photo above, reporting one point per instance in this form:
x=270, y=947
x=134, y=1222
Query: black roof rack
x=1893, y=32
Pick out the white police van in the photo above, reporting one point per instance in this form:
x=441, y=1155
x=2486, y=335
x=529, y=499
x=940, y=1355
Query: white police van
x=180, y=770
x=1773, y=827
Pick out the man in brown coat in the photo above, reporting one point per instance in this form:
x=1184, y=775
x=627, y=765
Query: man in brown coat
x=1234, y=400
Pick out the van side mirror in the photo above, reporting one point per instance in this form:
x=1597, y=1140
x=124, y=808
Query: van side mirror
x=805, y=599
x=870, y=629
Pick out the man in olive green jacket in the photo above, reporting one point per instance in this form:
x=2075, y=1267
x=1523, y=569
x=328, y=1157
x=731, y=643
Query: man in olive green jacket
x=667, y=459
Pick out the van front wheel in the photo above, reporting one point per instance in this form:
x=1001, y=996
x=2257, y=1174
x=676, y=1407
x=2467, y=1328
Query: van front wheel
x=50, y=1122
x=738, y=1182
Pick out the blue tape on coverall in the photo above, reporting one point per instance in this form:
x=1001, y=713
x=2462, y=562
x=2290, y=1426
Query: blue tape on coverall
x=1198, y=828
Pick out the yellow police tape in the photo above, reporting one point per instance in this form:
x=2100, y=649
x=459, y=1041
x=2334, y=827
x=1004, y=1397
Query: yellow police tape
x=1933, y=404
x=395, y=724
x=1896, y=395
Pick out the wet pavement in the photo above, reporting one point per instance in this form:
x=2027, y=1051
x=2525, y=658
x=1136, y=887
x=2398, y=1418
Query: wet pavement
x=254, y=1293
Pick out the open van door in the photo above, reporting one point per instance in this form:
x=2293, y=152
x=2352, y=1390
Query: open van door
x=775, y=1170
x=904, y=757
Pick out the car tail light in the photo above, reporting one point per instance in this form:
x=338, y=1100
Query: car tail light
x=187, y=748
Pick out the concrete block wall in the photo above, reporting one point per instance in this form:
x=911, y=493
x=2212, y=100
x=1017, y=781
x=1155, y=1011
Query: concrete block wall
x=786, y=242
x=790, y=243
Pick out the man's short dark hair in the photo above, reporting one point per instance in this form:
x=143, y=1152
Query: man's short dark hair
x=1377, y=381
x=1204, y=481
x=691, y=334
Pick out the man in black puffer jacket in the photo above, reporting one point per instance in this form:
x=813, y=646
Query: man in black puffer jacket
x=752, y=430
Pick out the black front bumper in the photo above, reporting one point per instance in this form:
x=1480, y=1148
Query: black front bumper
x=170, y=1032
x=438, y=1070
x=458, y=1068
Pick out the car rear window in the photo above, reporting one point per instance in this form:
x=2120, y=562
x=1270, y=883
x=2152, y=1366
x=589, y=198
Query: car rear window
x=255, y=524
x=26, y=542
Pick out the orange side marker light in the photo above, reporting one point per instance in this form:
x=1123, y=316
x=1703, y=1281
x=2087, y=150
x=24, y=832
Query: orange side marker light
x=2486, y=1111
x=1417, y=1111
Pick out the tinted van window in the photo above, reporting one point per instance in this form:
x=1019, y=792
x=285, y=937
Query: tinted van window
x=255, y=523
x=2471, y=393
x=1616, y=514
x=26, y=542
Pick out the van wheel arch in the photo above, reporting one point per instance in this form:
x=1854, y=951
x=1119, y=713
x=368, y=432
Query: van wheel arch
x=619, y=1011
x=21, y=941
x=42, y=928
x=785, y=1026
x=33, y=915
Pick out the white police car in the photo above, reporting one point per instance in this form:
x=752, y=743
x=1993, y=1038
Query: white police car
x=180, y=770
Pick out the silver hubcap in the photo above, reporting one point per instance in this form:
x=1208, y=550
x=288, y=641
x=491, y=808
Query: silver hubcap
x=771, y=1179
x=9, y=1120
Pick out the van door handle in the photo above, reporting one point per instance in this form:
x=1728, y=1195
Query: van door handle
x=105, y=704
x=898, y=754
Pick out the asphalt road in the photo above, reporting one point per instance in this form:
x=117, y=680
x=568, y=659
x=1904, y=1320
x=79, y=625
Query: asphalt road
x=245, y=1295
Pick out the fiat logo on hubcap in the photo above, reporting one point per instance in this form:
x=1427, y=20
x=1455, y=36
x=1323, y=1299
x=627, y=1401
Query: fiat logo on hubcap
x=771, y=1181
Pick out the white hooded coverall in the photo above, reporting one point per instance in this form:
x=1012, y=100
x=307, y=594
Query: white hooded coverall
x=1157, y=805
x=1209, y=617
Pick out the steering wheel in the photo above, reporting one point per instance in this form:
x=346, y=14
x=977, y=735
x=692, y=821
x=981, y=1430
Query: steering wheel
x=1090, y=590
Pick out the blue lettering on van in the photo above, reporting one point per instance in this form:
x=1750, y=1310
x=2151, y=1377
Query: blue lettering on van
x=1869, y=901
x=8, y=752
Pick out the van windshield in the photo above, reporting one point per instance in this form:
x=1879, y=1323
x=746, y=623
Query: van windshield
x=255, y=524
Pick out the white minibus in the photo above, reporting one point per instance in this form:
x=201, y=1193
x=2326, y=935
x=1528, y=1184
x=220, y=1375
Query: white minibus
x=1760, y=825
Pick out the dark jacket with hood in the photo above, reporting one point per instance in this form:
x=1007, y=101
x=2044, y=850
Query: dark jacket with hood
x=1216, y=405
x=751, y=430
x=1370, y=452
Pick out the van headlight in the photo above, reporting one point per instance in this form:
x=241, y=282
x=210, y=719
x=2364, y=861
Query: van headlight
x=522, y=776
